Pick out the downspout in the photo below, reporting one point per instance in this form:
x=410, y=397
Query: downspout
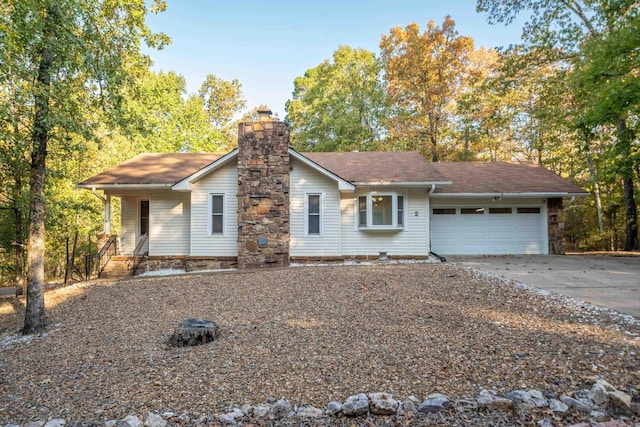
x=569, y=203
x=441, y=258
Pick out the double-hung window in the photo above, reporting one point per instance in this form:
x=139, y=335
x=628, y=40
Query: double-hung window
x=216, y=204
x=314, y=214
x=381, y=211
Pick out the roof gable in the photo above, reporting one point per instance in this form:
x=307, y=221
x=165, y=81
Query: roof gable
x=503, y=178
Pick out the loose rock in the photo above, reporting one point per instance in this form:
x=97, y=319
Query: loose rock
x=435, y=403
x=382, y=404
x=280, y=409
x=356, y=405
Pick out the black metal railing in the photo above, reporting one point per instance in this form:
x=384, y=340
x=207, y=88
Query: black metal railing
x=136, y=259
x=94, y=264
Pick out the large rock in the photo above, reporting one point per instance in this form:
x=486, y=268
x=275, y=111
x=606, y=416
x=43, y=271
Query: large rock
x=333, y=408
x=598, y=393
x=130, y=421
x=309, y=412
x=620, y=400
x=57, y=422
x=521, y=399
x=194, y=332
x=382, y=404
x=557, y=406
x=576, y=404
x=356, y=405
x=155, y=420
x=280, y=409
x=435, y=403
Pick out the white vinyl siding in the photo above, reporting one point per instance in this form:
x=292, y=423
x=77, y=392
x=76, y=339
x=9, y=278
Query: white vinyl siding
x=489, y=227
x=128, y=223
x=411, y=240
x=169, y=225
x=203, y=243
x=305, y=181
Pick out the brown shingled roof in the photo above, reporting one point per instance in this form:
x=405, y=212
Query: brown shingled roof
x=373, y=166
x=502, y=177
x=158, y=168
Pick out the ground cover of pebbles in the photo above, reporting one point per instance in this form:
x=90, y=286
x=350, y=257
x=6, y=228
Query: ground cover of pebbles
x=311, y=335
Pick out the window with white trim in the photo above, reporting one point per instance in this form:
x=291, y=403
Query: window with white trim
x=216, y=211
x=314, y=214
x=381, y=211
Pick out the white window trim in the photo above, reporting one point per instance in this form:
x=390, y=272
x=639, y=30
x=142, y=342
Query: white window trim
x=394, y=213
x=306, y=213
x=210, y=232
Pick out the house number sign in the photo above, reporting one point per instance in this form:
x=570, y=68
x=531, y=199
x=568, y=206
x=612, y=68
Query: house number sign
x=416, y=213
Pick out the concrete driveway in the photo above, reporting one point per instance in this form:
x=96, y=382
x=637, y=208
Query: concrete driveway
x=608, y=281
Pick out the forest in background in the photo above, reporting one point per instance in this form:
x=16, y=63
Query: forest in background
x=77, y=96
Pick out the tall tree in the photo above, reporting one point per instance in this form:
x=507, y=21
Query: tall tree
x=69, y=56
x=340, y=105
x=222, y=101
x=597, y=38
x=606, y=79
x=424, y=72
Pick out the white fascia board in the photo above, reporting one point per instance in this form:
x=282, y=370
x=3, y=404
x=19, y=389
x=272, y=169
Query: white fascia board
x=185, y=184
x=343, y=185
x=510, y=195
x=402, y=184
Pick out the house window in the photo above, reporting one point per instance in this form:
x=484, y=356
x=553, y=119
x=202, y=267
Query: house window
x=528, y=210
x=472, y=211
x=382, y=211
x=499, y=210
x=362, y=211
x=217, y=213
x=444, y=211
x=313, y=214
x=144, y=217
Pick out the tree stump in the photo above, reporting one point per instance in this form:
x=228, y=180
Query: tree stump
x=194, y=332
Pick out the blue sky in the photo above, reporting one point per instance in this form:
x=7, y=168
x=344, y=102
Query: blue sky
x=267, y=44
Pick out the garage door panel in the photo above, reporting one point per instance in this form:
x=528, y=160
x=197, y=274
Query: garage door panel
x=495, y=233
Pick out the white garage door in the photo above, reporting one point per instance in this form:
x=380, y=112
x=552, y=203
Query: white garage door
x=482, y=230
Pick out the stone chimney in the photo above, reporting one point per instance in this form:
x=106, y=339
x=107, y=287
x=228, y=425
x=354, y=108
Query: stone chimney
x=263, y=193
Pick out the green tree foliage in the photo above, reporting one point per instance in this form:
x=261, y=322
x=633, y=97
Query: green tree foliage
x=594, y=43
x=339, y=105
x=63, y=58
x=162, y=118
x=424, y=71
x=222, y=100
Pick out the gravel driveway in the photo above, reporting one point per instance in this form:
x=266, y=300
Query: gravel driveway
x=309, y=334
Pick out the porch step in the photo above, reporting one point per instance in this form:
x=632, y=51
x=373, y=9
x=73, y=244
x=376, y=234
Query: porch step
x=119, y=266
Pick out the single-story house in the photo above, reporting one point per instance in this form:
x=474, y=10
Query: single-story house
x=265, y=203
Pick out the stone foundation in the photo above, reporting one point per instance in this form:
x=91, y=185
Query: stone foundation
x=156, y=263
x=556, y=226
x=263, y=194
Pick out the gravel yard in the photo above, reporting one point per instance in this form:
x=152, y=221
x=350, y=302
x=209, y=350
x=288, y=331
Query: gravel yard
x=309, y=334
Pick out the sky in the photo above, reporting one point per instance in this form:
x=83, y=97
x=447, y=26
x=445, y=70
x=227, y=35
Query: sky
x=267, y=44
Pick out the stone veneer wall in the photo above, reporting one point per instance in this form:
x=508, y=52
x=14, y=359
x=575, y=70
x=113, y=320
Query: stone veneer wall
x=263, y=194
x=556, y=226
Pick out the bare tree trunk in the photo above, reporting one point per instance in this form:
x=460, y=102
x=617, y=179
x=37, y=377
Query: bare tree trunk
x=19, y=252
x=35, y=320
x=624, y=138
x=596, y=191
